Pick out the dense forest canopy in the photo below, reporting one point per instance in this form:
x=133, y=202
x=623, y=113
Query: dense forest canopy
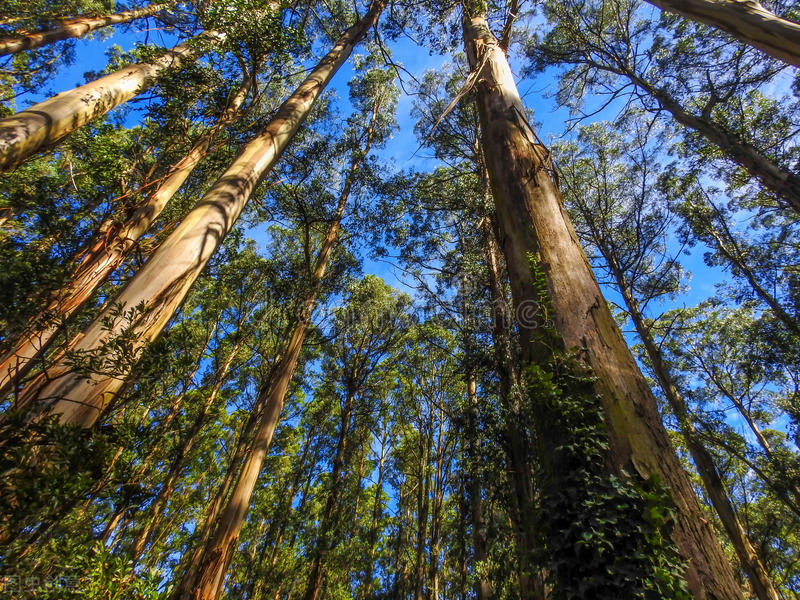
x=399, y=299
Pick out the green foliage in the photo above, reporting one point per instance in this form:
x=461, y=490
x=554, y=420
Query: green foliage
x=603, y=536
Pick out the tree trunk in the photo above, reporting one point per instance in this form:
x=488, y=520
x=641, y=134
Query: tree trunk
x=517, y=446
x=782, y=182
x=374, y=530
x=483, y=587
x=746, y=20
x=436, y=513
x=44, y=124
x=162, y=284
x=74, y=28
x=535, y=227
x=704, y=462
x=190, y=573
x=277, y=529
x=108, y=252
x=423, y=507
x=179, y=460
x=219, y=551
x=328, y=517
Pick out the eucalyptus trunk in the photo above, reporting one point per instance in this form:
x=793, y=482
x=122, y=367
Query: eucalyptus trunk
x=374, y=530
x=516, y=442
x=777, y=179
x=179, y=460
x=536, y=229
x=190, y=562
x=42, y=125
x=483, y=587
x=219, y=551
x=704, y=462
x=746, y=20
x=328, y=518
x=109, y=250
x=74, y=28
x=164, y=281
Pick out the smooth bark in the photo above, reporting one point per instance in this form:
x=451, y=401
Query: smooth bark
x=109, y=250
x=191, y=560
x=746, y=20
x=219, y=551
x=73, y=28
x=43, y=125
x=162, y=284
x=535, y=226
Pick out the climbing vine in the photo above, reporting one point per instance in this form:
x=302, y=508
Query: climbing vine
x=601, y=535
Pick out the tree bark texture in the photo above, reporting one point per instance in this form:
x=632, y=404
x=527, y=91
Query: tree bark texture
x=43, y=125
x=73, y=28
x=534, y=225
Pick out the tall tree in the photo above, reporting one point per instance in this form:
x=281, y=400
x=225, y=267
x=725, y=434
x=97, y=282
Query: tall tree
x=46, y=123
x=551, y=279
x=749, y=22
x=707, y=84
x=76, y=27
x=272, y=393
x=163, y=282
x=618, y=216
x=107, y=252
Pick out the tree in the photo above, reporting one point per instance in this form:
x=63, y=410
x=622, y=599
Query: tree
x=72, y=28
x=612, y=194
x=550, y=276
x=44, y=124
x=107, y=252
x=705, y=83
x=160, y=286
x=272, y=392
x=750, y=23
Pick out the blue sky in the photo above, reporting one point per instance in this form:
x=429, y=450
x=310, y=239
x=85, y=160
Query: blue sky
x=402, y=151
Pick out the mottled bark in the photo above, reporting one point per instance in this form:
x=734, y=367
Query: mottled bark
x=109, y=250
x=43, y=125
x=219, y=551
x=534, y=226
x=164, y=281
x=74, y=28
